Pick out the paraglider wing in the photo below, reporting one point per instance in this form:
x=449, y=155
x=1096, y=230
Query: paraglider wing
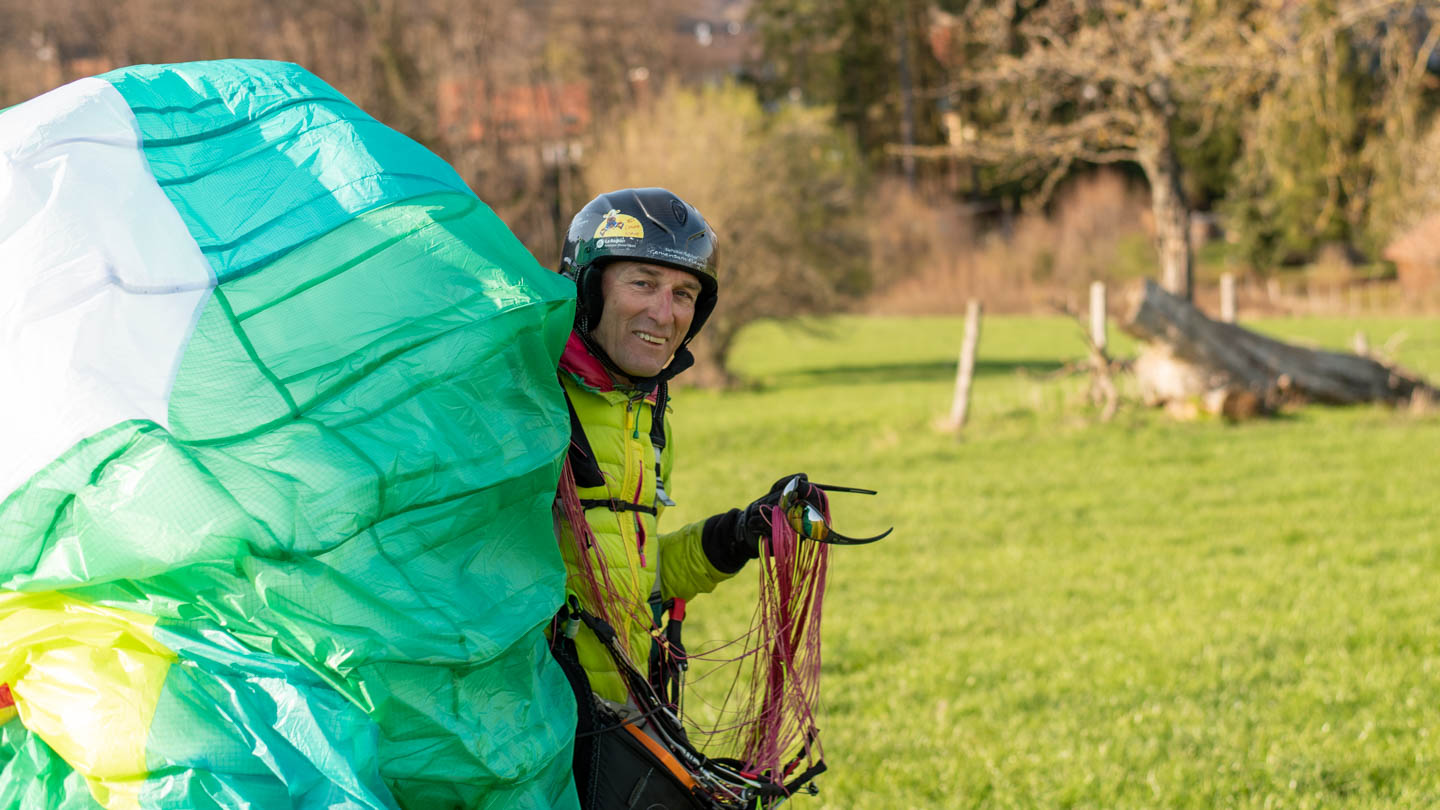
x=280, y=436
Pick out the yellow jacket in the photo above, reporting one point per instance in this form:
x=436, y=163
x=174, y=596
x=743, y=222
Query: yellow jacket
x=616, y=424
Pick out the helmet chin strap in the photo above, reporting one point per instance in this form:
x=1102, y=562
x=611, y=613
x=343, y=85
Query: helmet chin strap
x=682, y=360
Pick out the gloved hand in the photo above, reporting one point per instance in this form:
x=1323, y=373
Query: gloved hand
x=757, y=519
x=731, y=539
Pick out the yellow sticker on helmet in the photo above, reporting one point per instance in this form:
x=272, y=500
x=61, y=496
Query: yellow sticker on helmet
x=616, y=225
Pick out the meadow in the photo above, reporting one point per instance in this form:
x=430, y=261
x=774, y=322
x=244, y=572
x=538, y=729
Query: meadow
x=1140, y=614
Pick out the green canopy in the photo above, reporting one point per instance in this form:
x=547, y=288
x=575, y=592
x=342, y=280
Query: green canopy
x=282, y=432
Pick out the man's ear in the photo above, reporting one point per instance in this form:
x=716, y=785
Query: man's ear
x=592, y=295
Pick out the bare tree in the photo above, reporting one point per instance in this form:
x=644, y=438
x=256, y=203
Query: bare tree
x=1105, y=81
x=1046, y=85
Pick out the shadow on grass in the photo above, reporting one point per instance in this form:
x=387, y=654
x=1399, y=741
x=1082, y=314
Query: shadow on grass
x=901, y=372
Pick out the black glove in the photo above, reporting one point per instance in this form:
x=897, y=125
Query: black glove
x=731, y=539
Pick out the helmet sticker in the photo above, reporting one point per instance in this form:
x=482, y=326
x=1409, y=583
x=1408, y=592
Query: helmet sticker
x=615, y=224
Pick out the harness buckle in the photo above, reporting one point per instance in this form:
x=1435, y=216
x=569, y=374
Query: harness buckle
x=572, y=618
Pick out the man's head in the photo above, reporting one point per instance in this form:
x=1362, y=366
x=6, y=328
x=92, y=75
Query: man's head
x=647, y=314
x=649, y=236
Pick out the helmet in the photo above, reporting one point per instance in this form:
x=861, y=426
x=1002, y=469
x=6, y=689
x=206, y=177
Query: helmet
x=642, y=224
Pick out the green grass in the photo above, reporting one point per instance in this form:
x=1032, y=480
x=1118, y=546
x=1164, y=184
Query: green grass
x=1140, y=614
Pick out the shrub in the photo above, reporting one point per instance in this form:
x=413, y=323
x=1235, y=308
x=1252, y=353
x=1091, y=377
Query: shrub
x=781, y=189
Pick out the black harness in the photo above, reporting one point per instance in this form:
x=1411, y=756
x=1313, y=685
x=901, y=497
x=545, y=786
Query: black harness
x=645, y=759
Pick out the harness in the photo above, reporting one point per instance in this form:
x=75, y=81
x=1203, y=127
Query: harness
x=641, y=756
x=667, y=662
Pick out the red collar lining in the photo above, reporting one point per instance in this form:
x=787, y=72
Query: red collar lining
x=587, y=368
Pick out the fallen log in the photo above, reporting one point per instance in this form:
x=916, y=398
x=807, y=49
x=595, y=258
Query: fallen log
x=1231, y=358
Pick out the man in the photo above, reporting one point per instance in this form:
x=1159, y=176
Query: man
x=644, y=264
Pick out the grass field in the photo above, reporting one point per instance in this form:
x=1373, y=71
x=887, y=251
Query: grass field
x=1141, y=614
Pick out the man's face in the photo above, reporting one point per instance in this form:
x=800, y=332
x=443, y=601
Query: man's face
x=647, y=312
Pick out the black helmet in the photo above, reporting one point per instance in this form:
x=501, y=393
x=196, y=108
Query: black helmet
x=641, y=224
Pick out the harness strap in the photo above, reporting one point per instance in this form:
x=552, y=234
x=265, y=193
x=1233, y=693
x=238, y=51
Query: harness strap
x=582, y=458
x=587, y=753
x=616, y=505
x=657, y=439
x=657, y=420
x=668, y=661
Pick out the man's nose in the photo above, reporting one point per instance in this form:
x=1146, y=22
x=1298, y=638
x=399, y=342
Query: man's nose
x=662, y=306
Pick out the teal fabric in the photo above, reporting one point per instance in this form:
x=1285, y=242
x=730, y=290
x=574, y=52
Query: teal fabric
x=259, y=157
x=347, y=519
x=289, y=740
x=33, y=777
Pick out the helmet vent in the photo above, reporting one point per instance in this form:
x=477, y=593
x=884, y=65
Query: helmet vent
x=678, y=209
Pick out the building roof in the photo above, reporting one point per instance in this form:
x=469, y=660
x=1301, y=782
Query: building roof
x=471, y=110
x=1419, y=245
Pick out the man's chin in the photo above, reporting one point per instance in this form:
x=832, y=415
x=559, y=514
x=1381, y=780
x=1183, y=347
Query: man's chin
x=635, y=372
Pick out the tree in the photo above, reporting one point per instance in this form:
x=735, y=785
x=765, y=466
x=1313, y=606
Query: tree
x=1298, y=171
x=779, y=188
x=1407, y=174
x=1403, y=117
x=1045, y=86
x=1334, y=138
x=867, y=59
x=398, y=60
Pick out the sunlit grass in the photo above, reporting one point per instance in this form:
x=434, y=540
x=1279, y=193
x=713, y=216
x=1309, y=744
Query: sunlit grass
x=1072, y=614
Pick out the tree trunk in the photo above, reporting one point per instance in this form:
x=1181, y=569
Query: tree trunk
x=907, y=98
x=1171, y=212
x=712, y=355
x=1237, y=359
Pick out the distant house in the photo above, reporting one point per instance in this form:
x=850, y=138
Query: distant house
x=1416, y=255
x=470, y=110
x=713, y=42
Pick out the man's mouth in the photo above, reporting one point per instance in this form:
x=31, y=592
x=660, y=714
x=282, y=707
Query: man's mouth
x=649, y=338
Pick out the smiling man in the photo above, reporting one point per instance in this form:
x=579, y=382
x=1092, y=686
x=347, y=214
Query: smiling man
x=644, y=264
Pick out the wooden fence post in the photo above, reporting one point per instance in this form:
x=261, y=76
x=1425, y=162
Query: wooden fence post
x=1227, y=297
x=965, y=372
x=1102, y=387
x=1098, y=335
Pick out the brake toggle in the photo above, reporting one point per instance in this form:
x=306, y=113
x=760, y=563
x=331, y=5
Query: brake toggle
x=810, y=522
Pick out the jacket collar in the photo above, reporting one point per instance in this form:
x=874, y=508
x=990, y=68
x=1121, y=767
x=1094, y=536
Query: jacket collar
x=587, y=369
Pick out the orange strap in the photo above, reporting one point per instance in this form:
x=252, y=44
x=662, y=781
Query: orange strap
x=666, y=758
